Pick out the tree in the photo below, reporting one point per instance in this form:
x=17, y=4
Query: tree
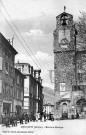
x=81, y=27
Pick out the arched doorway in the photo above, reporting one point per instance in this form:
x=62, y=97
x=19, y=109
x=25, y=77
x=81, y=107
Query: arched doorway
x=80, y=105
x=64, y=108
x=64, y=111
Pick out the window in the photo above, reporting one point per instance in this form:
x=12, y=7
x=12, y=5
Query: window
x=6, y=67
x=25, y=71
x=18, y=79
x=0, y=63
x=12, y=81
x=3, y=50
x=7, y=91
x=12, y=57
x=9, y=55
x=11, y=69
x=3, y=88
x=80, y=77
x=37, y=92
x=21, y=95
x=6, y=52
x=0, y=86
x=21, y=82
x=11, y=92
x=12, y=88
x=1, y=47
x=17, y=93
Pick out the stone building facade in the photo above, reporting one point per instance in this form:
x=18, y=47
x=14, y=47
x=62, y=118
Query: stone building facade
x=7, y=75
x=18, y=101
x=8, y=85
x=33, y=96
x=69, y=68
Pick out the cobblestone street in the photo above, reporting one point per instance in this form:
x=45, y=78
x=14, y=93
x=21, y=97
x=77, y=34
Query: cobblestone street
x=62, y=127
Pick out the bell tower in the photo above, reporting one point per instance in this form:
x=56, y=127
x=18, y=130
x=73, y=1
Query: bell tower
x=63, y=33
x=63, y=62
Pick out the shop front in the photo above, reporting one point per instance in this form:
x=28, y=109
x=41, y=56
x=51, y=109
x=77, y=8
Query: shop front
x=7, y=107
x=17, y=106
x=18, y=109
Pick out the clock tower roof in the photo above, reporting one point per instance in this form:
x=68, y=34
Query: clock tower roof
x=64, y=14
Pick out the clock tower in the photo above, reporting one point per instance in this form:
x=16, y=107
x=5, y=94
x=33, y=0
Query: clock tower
x=63, y=63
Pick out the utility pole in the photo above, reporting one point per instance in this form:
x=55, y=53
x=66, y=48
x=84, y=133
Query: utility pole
x=75, y=64
x=75, y=33
x=12, y=40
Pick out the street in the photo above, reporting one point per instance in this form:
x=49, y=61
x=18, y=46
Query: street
x=60, y=127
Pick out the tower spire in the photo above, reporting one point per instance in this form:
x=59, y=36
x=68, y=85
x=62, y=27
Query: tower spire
x=64, y=8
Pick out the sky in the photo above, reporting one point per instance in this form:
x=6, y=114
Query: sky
x=31, y=24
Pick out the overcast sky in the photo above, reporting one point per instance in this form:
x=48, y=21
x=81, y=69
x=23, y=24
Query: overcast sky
x=35, y=21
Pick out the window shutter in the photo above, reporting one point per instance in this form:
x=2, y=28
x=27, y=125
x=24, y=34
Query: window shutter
x=0, y=86
x=0, y=63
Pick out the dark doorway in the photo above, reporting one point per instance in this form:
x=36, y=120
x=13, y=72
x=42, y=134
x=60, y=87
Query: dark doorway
x=6, y=108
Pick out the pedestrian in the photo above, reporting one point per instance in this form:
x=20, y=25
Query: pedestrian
x=2, y=118
x=77, y=115
x=7, y=120
x=15, y=120
x=44, y=116
x=20, y=118
x=36, y=116
x=11, y=120
x=40, y=117
x=26, y=118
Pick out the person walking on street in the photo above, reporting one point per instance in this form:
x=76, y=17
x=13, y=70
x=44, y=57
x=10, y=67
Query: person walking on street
x=7, y=120
x=44, y=116
x=26, y=118
x=15, y=120
x=12, y=120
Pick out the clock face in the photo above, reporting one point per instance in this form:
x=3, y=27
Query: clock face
x=64, y=41
x=64, y=36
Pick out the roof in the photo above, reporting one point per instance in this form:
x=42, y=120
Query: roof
x=18, y=72
x=4, y=41
x=64, y=13
x=19, y=63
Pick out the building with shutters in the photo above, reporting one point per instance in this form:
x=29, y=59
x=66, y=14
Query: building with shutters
x=33, y=96
x=18, y=101
x=8, y=85
x=69, y=68
x=7, y=75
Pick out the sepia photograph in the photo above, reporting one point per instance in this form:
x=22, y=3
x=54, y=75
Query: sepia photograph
x=42, y=67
